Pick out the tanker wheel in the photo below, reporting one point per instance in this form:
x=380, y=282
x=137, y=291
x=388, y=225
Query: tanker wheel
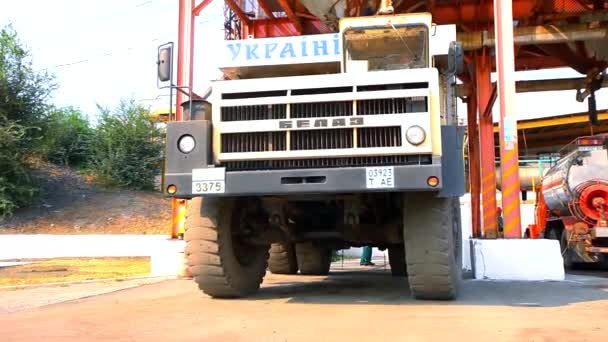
x=282, y=259
x=433, y=245
x=222, y=264
x=313, y=259
x=396, y=259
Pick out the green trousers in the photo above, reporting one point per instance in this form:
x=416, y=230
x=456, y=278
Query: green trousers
x=366, y=255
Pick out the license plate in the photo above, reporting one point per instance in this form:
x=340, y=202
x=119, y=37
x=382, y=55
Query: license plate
x=380, y=177
x=209, y=181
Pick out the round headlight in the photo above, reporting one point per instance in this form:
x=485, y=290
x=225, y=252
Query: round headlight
x=186, y=144
x=415, y=135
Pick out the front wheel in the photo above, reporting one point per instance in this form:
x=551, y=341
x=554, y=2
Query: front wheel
x=222, y=264
x=433, y=245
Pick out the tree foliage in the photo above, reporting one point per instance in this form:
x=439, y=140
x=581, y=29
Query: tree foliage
x=23, y=92
x=16, y=186
x=127, y=147
x=23, y=104
x=67, y=137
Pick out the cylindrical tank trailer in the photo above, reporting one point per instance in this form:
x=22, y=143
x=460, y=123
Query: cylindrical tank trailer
x=578, y=186
x=572, y=202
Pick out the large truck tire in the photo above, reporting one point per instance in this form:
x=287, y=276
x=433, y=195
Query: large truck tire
x=222, y=265
x=282, y=259
x=433, y=245
x=312, y=259
x=396, y=259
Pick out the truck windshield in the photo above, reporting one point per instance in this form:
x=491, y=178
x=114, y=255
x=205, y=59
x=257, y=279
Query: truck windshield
x=388, y=48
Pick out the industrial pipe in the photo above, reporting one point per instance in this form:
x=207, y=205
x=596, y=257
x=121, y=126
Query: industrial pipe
x=533, y=35
x=539, y=85
x=530, y=176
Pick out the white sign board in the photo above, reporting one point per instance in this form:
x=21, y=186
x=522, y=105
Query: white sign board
x=318, y=48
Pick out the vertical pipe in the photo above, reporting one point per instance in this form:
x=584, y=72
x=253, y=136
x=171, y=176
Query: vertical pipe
x=185, y=52
x=483, y=69
x=474, y=172
x=185, y=42
x=505, y=69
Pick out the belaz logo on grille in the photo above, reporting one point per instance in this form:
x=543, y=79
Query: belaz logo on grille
x=320, y=123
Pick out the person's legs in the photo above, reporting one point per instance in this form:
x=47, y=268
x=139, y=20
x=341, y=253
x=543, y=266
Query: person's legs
x=366, y=256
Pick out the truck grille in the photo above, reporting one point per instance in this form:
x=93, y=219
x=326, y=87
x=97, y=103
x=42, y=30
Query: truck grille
x=327, y=162
x=322, y=139
x=253, y=142
x=379, y=136
x=321, y=109
x=316, y=127
x=397, y=105
x=254, y=112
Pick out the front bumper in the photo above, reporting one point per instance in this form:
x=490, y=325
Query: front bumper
x=448, y=169
x=311, y=181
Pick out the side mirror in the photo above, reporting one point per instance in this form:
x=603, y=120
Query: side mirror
x=455, y=58
x=165, y=62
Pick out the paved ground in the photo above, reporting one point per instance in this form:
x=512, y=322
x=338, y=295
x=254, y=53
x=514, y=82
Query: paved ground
x=20, y=298
x=351, y=305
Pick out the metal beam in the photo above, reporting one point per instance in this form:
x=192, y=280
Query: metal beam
x=474, y=11
x=483, y=69
x=557, y=121
x=570, y=132
x=556, y=84
x=286, y=6
x=198, y=9
x=266, y=8
x=238, y=11
x=535, y=35
x=473, y=163
x=576, y=62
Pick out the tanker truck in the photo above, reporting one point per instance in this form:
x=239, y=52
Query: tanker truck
x=282, y=169
x=572, y=202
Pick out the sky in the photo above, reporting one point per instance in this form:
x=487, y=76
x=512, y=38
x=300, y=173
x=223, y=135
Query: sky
x=103, y=50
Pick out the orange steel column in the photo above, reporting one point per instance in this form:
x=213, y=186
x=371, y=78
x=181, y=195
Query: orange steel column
x=185, y=54
x=509, y=159
x=483, y=69
x=473, y=159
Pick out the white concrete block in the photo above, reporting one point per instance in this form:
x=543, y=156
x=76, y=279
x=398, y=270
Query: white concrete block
x=520, y=259
x=168, y=260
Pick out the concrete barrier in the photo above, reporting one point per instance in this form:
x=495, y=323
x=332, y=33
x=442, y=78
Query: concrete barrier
x=166, y=255
x=518, y=259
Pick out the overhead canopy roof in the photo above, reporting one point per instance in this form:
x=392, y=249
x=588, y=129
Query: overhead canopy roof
x=550, y=134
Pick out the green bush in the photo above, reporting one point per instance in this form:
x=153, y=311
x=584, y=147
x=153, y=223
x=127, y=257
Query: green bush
x=16, y=186
x=23, y=107
x=67, y=137
x=127, y=147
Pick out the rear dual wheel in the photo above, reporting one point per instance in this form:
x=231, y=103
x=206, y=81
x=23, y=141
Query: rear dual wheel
x=282, y=258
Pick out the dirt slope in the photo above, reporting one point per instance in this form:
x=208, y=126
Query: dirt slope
x=71, y=203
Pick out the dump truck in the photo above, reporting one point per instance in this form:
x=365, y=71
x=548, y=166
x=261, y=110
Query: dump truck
x=572, y=199
x=281, y=170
